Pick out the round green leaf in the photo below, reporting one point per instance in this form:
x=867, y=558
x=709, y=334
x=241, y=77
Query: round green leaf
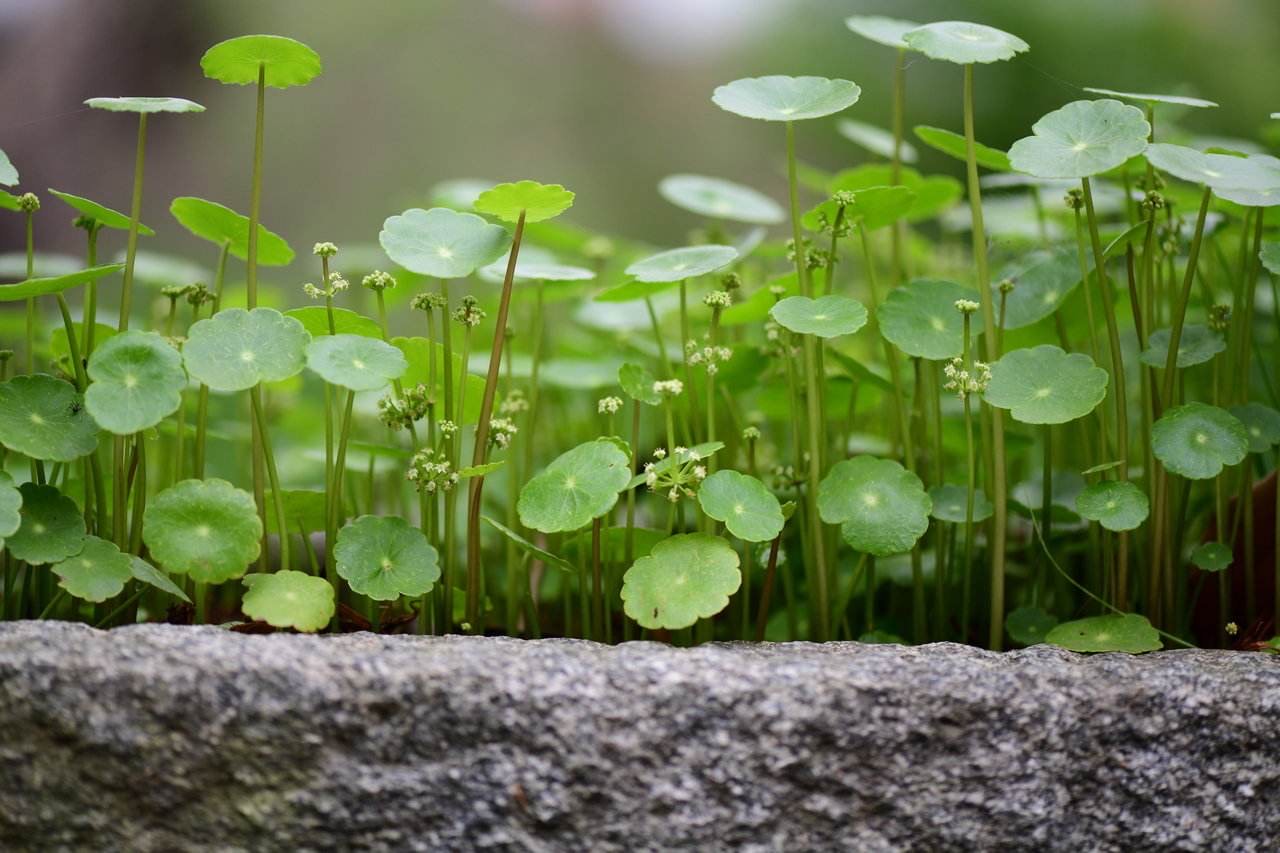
x=145, y=105
x=949, y=504
x=882, y=506
x=1269, y=254
x=56, y=284
x=104, y=216
x=144, y=572
x=315, y=319
x=441, y=242
x=1266, y=189
x=1029, y=625
x=579, y=485
x=874, y=139
x=385, y=558
x=1176, y=100
x=1081, y=139
x=1044, y=385
x=963, y=42
x=221, y=225
x=779, y=98
x=1114, y=504
x=288, y=599
x=683, y=579
x=637, y=381
x=137, y=382
x=531, y=266
x=207, y=529
x=1126, y=632
x=460, y=193
x=953, y=145
x=355, y=362
x=1043, y=281
x=920, y=318
x=537, y=201
x=1197, y=345
x=52, y=527
x=679, y=264
x=1217, y=171
x=10, y=507
x=933, y=194
x=745, y=505
x=1197, y=441
x=827, y=316
x=98, y=572
x=1262, y=423
x=44, y=418
x=236, y=349
x=1211, y=557
x=715, y=198
x=8, y=174
x=282, y=61
x=881, y=30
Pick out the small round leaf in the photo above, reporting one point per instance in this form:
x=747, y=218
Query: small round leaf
x=137, y=382
x=1211, y=556
x=1029, y=625
x=963, y=42
x=538, y=202
x=145, y=105
x=1217, y=171
x=920, y=318
x=949, y=504
x=441, y=242
x=1081, y=139
x=579, y=485
x=1045, y=385
x=679, y=264
x=207, y=529
x=221, y=225
x=45, y=418
x=780, y=98
x=288, y=599
x=385, y=558
x=355, y=362
x=637, y=381
x=282, y=61
x=1126, y=632
x=1175, y=100
x=95, y=574
x=882, y=507
x=1197, y=441
x=881, y=30
x=52, y=527
x=1262, y=423
x=745, y=505
x=236, y=349
x=1197, y=345
x=716, y=198
x=684, y=578
x=1114, y=504
x=827, y=316
x=10, y=507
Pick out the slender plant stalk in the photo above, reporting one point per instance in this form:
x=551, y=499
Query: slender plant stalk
x=90, y=319
x=895, y=159
x=135, y=217
x=251, y=297
x=970, y=486
x=277, y=496
x=29, y=227
x=766, y=590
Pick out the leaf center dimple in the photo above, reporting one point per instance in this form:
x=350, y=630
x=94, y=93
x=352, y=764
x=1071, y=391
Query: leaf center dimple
x=357, y=364
x=203, y=531
x=445, y=252
x=247, y=355
x=1080, y=146
x=1041, y=393
x=938, y=325
x=38, y=527
x=387, y=565
x=130, y=381
x=570, y=482
x=36, y=419
x=871, y=499
x=739, y=509
x=1201, y=438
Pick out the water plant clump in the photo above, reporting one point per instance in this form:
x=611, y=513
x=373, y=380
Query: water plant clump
x=822, y=418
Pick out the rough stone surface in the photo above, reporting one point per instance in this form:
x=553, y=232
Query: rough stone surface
x=167, y=738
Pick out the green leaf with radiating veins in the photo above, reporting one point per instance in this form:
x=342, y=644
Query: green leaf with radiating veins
x=679, y=264
x=920, y=318
x=10, y=507
x=881, y=30
x=964, y=43
x=52, y=527
x=1262, y=423
x=206, y=529
x=1028, y=626
x=827, y=316
x=579, y=485
x=282, y=62
x=8, y=174
x=221, y=226
x=33, y=287
x=355, y=362
x=1042, y=283
x=137, y=381
x=637, y=382
x=315, y=319
x=236, y=349
x=745, y=505
x=1114, y=504
x=882, y=507
x=144, y=572
x=530, y=548
x=145, y=105
x=538, y=202
x=716, y=198
x=1176, y=100
x=288, y=599
x=1196, y=345
x=385, y=558
x=875, y=140
x=1081, y=139
x=949, y=504
x=781, y=98
x=1197, y=441
x=104, y=216
x=1211, y=556
x=45, y=418
x=98, y=572
x=1045, y=385
x=442, y=243
x=1127, y=632
x=953, y=145
x=684, y=578
x=1217, y=171
x=1266, y=190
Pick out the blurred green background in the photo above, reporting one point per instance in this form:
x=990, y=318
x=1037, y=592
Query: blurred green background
x=605, y=96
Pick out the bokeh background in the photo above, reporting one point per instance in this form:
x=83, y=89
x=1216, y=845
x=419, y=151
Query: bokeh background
x=605, y=96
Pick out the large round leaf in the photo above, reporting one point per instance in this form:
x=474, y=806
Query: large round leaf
x=579, y=485
x=881, y=30
x=637, y=382
x=236, y=349
x=145, y=105
x=920, y=318
x=283, y=62
x=780, y=98
x=1197, y=440
x=45, y=418
x=745, y=505
x=678, y=264
x=355, y=362
x=104, y=216
x=827, y=316
x=538, y=202
x=137, y=382
x=716, y=198
x=882, y=507
x=441, y=242
x=1218, y=171
x=1081, y=139
x=1175, y=100
x=1262, y=423
x=683, y=579
x=97, y=573
x=52, y=527
x=1044, y=385
x=207, y=529
x=288, y=599
x=1126, y=632
x=1114, y=504
x=385, y=558
x=1196, y=345
x=1042, y=283
x=963, y=42
x=221, y=225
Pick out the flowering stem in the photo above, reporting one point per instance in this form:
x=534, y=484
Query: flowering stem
x=277, y=497
x=135, y=215
x=31, y=301
x=335, y=505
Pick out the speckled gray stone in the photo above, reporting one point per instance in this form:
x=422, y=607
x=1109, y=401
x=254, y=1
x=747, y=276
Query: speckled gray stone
x=167, y=738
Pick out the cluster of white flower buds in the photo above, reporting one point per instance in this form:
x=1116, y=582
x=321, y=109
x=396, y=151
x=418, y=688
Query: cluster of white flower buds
x=198, y=294
x=335, y=285
x=400, y=412
x=711, y=357
x=501, y=431
x=28, y=203
x=676, y=477
x=514, y=403
x=963, y=382
x=324, y=250
x=751, y=433
x=668, y=387
x=428, y=301
x=469, y=313
x=430, y=472
x=966, y=306
x=448, y=428
x=717, y=299
x=378, y=281
x=1219, y=317
x=609, y=405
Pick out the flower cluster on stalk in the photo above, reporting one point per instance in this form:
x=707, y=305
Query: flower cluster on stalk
x=963, y=382
x=430, y=472
x=324, y=250
x=28, y=203
x=704, y=355
x=501, y=431
x=1219, y=317
x=668, y=388
x=814, y=259
x=676, y=477
x=335, y=285
x=469, y=313
x=608, y=405
x=378, y=281
x=400, y=412
x=428, y=301
x=514, y=403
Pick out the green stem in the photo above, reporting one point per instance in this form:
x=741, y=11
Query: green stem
x=89, y=326
x=135, y=217
x=277, y=496
x=31, y=301
x=895, y=160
